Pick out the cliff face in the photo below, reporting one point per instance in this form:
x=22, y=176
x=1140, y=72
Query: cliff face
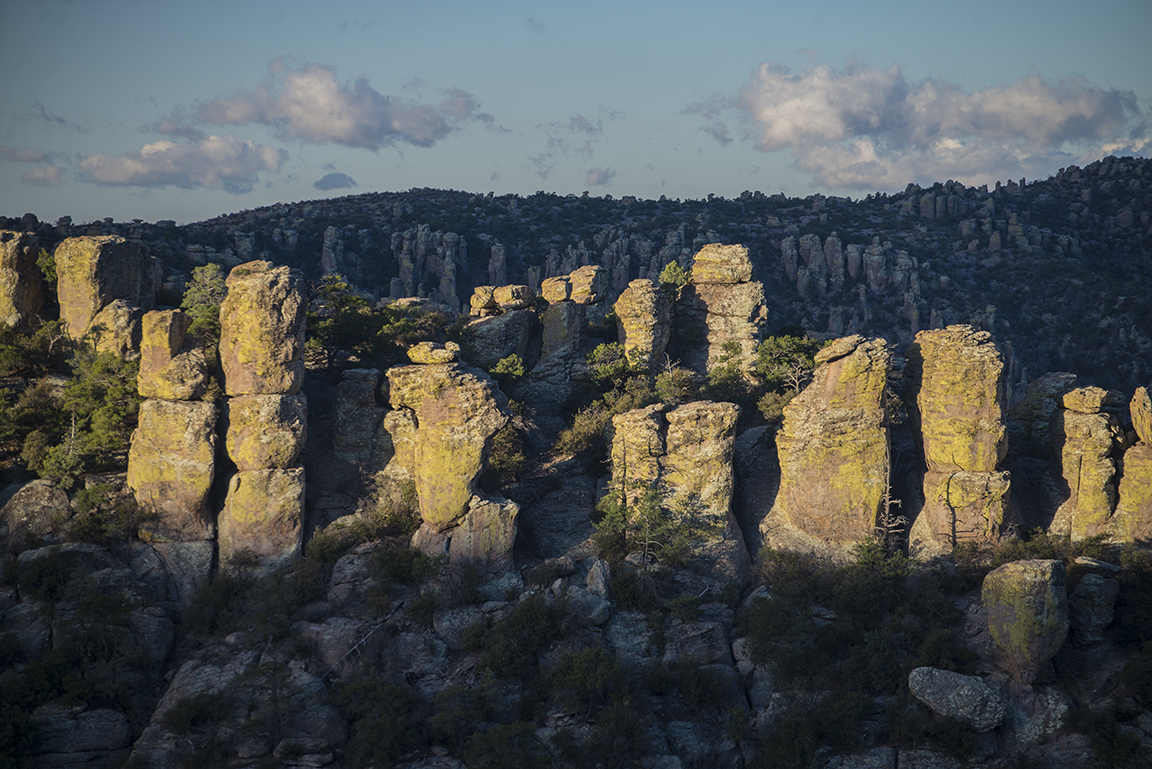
x=21, y=285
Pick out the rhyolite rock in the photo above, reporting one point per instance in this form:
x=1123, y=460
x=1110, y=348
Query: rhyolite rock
x=262, y=522
x=1140, y=409
x=510, y=298
x=35, y=510
x=1091, y=400
x=118, y=328
x=1027, y=607
x=453, y=410
x=1034, y=412
x=483, y=537
x=483, y=302
x=834, y=447
x=956, y=380
x=715, y=263
x=589, y=284
x=1090, y=608
x=266, y=432
x=492, y=339
x=1087, y=440
x=1132, y=521
x=966, y=699
x=431, y=352
x=171, y=465
x=262, y=330
x=95, y=270
x=173, y=365
x=644, y=316
x=22, y=287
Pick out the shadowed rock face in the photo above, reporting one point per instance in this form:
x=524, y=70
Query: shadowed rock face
x=1027, y=604
x=170, y=369
x=263, y=518
x=834, y=445
x=94, y=271
x=644, y=315
x=21, y=285
x=956, y=376
x=454, y=412
x=262, y=330
x=1141, y=410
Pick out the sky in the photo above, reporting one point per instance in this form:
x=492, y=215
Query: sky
x=158, y=109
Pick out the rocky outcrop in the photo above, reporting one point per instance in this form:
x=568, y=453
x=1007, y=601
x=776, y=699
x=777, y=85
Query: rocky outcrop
x=644, y=315
x=446, y=413
x=1140, y=410
x=1132, y=521
x=966, y=699
x=956, y=388
x=262, y=330
x=685, y=454
x=22, y=289
x=173, y=365
x=720, y=316
x=1087, y=437
x=171, y=466
x=491, y=339
x=33, y=512
x=483, y=537
x=1035, y=411
x=1027, y=605
x=586, y=285
x=94, y=271
x=834, y=449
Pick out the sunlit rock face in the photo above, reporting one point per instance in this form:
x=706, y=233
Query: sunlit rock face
x=644, y=315
x=92, y=271
x=956, y=384
x=1027, y=605
x=22, y=289
x=262, y=330
x=834, y=447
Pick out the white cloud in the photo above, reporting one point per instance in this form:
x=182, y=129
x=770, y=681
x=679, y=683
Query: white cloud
x=310, y=105
x=43, y=176
x=218, y=162
x=868, y=128
x=23, y=155
x=598, y=177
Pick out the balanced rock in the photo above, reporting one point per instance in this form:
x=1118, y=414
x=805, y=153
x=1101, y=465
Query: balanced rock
x=492, y=339
x=1027, y=606
x=452, y=413
x=644, y=315
x=266, y=432
x=513, y=297
x=558, y=289
x=966, y=699
x=172, y=366
x=22, y=286
x=262, y=330
x=834, y=445
x=95, y=270
x=1091, y=400
x=483, y=537
x=118, y=329
x=721, y=264
x=171, y=465
x=483, y=302
x=430, y=352
x=262, y=520
x=589, y=284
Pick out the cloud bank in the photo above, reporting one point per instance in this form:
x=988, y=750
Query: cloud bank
x=216, y=163
x=869, y=128
x=308, y=104
x=333, y=181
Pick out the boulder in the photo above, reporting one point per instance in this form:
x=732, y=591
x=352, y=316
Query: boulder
x=171, y=465
x=834, y=446
x=262, y=330
x=482, y=537
x=35, y=510
x=1141, y=410
x=22, y=287
x=556, y=289
x=266, y=432
x=721, y=264
x=71, y=730
x=589, y=284
x=510, y=298
x=430, y=352
x=966, y=699
x=1090, y=608
x=262, y=520
x=172, y=365
x=483, y=302
x=494, y=338
x=1091, y=400
x=92, y=271
x=118, y=328
x=455, y=410
x=716, y=322
x=644, y=317
x=1027, y=606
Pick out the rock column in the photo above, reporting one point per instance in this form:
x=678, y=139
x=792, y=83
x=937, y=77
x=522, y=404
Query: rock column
x=21, y=287
x=1087, y=437
x=261, y=354
x=956, y=388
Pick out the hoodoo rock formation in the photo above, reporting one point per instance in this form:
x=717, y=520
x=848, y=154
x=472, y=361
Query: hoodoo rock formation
x=21, y=284
x=94, y=271
x=262, y=330
x=644, y=315
x=834, y=450
x=956, y=398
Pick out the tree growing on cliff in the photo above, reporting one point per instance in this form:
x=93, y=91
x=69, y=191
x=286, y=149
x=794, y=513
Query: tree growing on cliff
x=202, y=300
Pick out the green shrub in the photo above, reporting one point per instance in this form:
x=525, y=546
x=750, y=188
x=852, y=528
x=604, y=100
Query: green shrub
x=587, y=679
x=510, y=646
x=383, y=718
x=506, y=745
x=197, y=711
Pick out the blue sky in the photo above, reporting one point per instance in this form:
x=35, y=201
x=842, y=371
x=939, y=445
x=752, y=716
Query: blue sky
x=155, y=109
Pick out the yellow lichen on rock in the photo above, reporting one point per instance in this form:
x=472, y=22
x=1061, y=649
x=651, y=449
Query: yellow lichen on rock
x=172, y=366
x=94, y=270
x=22, y=289
x=266, y=432
x=1132, y=521
x=262, y=330
x=262, y=520
x=1087, y=441
x=715, y=263
x=1141, y=411
x=1027, y=605
x=644, y=315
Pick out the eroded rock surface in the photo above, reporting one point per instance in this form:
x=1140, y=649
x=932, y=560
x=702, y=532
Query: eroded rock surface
x=1087, y=439
x=262, y=330
x=1027, y=605
x=964, y=698
x=266, y=432
x=92, y=271
x=644, y=314
x=263, y=518
x=172, y=365
x=22, y=288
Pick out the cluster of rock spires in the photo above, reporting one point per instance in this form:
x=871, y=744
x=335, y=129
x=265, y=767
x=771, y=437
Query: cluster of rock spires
x=834, y=450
